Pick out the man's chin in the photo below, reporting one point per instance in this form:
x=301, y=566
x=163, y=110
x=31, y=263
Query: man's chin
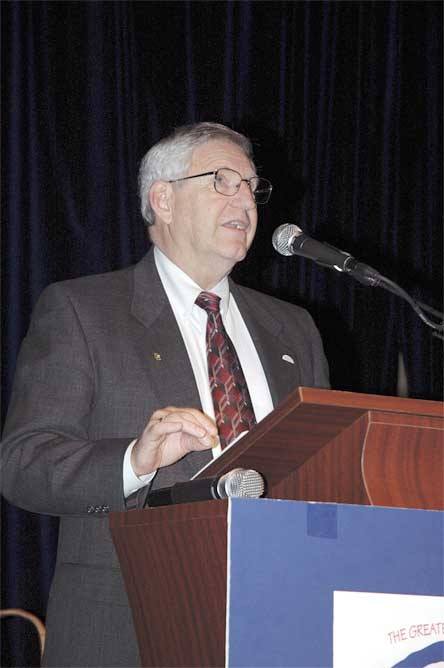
x=234, y=259
x=237, y=252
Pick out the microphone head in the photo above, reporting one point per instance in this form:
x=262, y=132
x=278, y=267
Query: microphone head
x=283, y=238
x=241, y=483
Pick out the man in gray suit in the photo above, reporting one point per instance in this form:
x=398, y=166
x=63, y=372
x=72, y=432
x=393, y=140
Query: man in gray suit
x=112, y=390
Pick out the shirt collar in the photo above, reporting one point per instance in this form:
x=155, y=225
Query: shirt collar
x=182, y=291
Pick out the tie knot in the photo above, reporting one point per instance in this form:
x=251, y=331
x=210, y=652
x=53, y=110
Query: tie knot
x=209, y=302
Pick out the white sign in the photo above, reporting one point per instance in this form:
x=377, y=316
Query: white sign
x=373, y=630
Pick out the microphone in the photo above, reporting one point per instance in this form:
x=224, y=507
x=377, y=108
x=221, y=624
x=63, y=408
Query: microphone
x=291, y=240
x=236, y=483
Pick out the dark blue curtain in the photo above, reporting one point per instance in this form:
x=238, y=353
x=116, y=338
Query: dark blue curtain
x=344, y=103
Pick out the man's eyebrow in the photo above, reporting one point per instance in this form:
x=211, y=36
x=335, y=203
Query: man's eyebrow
x=255, y=174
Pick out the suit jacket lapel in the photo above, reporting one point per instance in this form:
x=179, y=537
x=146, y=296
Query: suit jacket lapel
x=170, y=369
x=272, y=343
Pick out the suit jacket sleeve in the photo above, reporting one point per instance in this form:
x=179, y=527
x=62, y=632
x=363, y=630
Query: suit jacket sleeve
x=49, y=463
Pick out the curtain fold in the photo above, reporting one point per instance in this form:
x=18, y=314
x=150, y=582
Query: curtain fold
x=344, y=103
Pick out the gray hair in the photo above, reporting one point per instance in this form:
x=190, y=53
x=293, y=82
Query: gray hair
x=170, y=158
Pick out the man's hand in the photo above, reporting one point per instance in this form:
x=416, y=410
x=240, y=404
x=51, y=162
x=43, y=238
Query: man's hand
x=170, y=434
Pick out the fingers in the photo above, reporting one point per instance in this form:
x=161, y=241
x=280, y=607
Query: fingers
x=189, y=415
x=178, y=422
x=170, y=434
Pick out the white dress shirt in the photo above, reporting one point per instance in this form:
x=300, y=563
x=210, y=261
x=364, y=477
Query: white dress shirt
x=182, y=292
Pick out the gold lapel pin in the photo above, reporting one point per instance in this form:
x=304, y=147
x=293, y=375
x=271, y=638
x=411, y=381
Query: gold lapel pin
x=157, y=357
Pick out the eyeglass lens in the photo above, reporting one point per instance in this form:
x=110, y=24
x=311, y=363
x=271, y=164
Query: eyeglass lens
x=227, y=182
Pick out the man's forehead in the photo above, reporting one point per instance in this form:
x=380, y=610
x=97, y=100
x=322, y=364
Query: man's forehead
x=217, y=153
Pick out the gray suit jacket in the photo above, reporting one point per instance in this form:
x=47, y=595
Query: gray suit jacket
x=86, y=383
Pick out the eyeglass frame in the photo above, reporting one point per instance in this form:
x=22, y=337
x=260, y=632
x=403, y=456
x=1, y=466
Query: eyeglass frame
x=214, y=173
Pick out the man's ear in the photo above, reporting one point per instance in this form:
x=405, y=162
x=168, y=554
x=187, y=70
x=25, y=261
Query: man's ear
x=161, y=200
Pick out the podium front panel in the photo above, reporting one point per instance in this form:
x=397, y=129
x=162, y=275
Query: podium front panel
x=300, y=572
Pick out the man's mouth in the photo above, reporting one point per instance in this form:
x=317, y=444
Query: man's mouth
x=236, y=225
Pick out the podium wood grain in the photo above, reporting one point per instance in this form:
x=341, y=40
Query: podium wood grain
x=342, y=447
x=175, y=571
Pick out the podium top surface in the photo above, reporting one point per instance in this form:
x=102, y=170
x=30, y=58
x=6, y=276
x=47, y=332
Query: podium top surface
x=310, y=395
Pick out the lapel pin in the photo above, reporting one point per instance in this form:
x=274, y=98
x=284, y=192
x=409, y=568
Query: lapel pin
x=157, y=357
x=288, y=358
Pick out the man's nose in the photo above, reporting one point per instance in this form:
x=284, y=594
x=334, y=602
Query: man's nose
x=244, y=198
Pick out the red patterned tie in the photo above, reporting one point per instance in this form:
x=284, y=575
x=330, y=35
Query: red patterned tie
x=231, y=399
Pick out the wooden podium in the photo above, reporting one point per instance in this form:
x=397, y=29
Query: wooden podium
x=318, y=445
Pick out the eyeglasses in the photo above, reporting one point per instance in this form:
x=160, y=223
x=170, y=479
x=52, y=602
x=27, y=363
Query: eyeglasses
x=227, y=182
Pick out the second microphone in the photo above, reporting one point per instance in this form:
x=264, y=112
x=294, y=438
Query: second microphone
x=239, y=482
